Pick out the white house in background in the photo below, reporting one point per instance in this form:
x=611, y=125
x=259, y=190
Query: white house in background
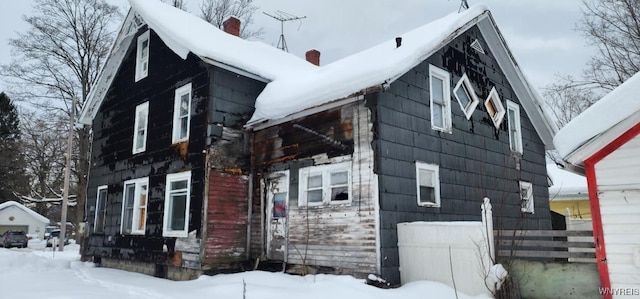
x=14, y=216
x=604, y=144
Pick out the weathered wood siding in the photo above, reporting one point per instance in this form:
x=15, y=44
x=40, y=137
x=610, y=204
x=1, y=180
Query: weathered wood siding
x=474, y=160
x=618, y=178
x=227, y=216
x=342, y=237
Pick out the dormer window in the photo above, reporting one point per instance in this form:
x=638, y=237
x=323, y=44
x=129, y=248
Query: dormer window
x=466, y=96
x=494, y=107
x=142, y=56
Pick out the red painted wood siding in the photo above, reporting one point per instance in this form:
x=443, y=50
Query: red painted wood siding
x=227, y=218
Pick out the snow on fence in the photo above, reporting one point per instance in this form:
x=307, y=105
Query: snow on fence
x=455, y=253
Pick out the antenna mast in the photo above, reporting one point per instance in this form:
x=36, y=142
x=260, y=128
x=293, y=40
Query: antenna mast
x=283, y=17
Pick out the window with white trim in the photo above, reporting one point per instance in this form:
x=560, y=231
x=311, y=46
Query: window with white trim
x=428, y=184
x=515, y=130
x=325, y=185
x=176, y=205
x=526, y=197
x=466, y=96
x=494, y=107
x=181, y=114
x=101, y=209
x=134, y=206
x=142, y=56
x=140, y=128
x=440, y=94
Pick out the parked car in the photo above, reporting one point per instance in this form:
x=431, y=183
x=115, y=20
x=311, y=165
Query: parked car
x=14, y=238
x=54, y=237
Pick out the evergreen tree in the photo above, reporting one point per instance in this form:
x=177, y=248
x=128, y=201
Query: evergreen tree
x=12, y=171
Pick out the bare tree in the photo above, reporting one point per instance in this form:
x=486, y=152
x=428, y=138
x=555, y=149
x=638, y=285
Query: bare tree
x=567, y=100
x=217, y=11
x=44, y=148
x=613, y=27
x=58, y=58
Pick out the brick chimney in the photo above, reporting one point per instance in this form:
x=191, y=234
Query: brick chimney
x=313, y=56
x=232, y=26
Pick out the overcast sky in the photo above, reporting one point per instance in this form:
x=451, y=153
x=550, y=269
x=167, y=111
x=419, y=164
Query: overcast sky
x=540, y=33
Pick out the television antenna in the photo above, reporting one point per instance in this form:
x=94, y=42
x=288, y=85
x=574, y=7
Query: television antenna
x=463, y=5
x=283, y=17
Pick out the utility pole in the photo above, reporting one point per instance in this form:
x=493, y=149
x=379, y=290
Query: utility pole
x=67, y=174
x=283, y=17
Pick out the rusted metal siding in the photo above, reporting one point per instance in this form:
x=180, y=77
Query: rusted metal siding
x=227, y=218
x=340, y=237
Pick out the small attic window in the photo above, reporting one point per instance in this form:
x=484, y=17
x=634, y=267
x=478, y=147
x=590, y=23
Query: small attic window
x=494, y=107
x=466, y=96
x=142, y=56
x=477, y=46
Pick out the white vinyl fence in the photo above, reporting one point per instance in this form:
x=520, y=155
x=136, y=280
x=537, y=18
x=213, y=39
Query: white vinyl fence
x=455, y=253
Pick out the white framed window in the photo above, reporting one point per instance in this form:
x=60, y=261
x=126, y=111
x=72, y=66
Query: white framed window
x=494, y=107
x=181, y=114
x=526, y=197
x=440, y=94
x=142, y=56
x=101, y=209
x=325, y=185
x=176, y=205
x=140, y=128
x=466, y=96
x=134, y=206
x=428, y=184
x=515, y=130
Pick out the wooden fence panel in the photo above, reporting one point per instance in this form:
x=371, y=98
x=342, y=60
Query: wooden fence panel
x=544, y=244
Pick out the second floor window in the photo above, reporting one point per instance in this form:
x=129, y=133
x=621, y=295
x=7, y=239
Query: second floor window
x=181, y=114
x=142, y=56
x=440, y=99
x=515, y=131
x=140, y=128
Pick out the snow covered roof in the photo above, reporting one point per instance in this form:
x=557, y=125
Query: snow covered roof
x=384, y=63
x=185, y=33
x=601, y=123
x=33, y=214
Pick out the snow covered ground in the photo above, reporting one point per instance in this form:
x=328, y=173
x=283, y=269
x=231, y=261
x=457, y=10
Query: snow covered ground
x=38, y=272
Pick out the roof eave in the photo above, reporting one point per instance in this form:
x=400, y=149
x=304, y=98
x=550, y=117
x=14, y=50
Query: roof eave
x=529, y=98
